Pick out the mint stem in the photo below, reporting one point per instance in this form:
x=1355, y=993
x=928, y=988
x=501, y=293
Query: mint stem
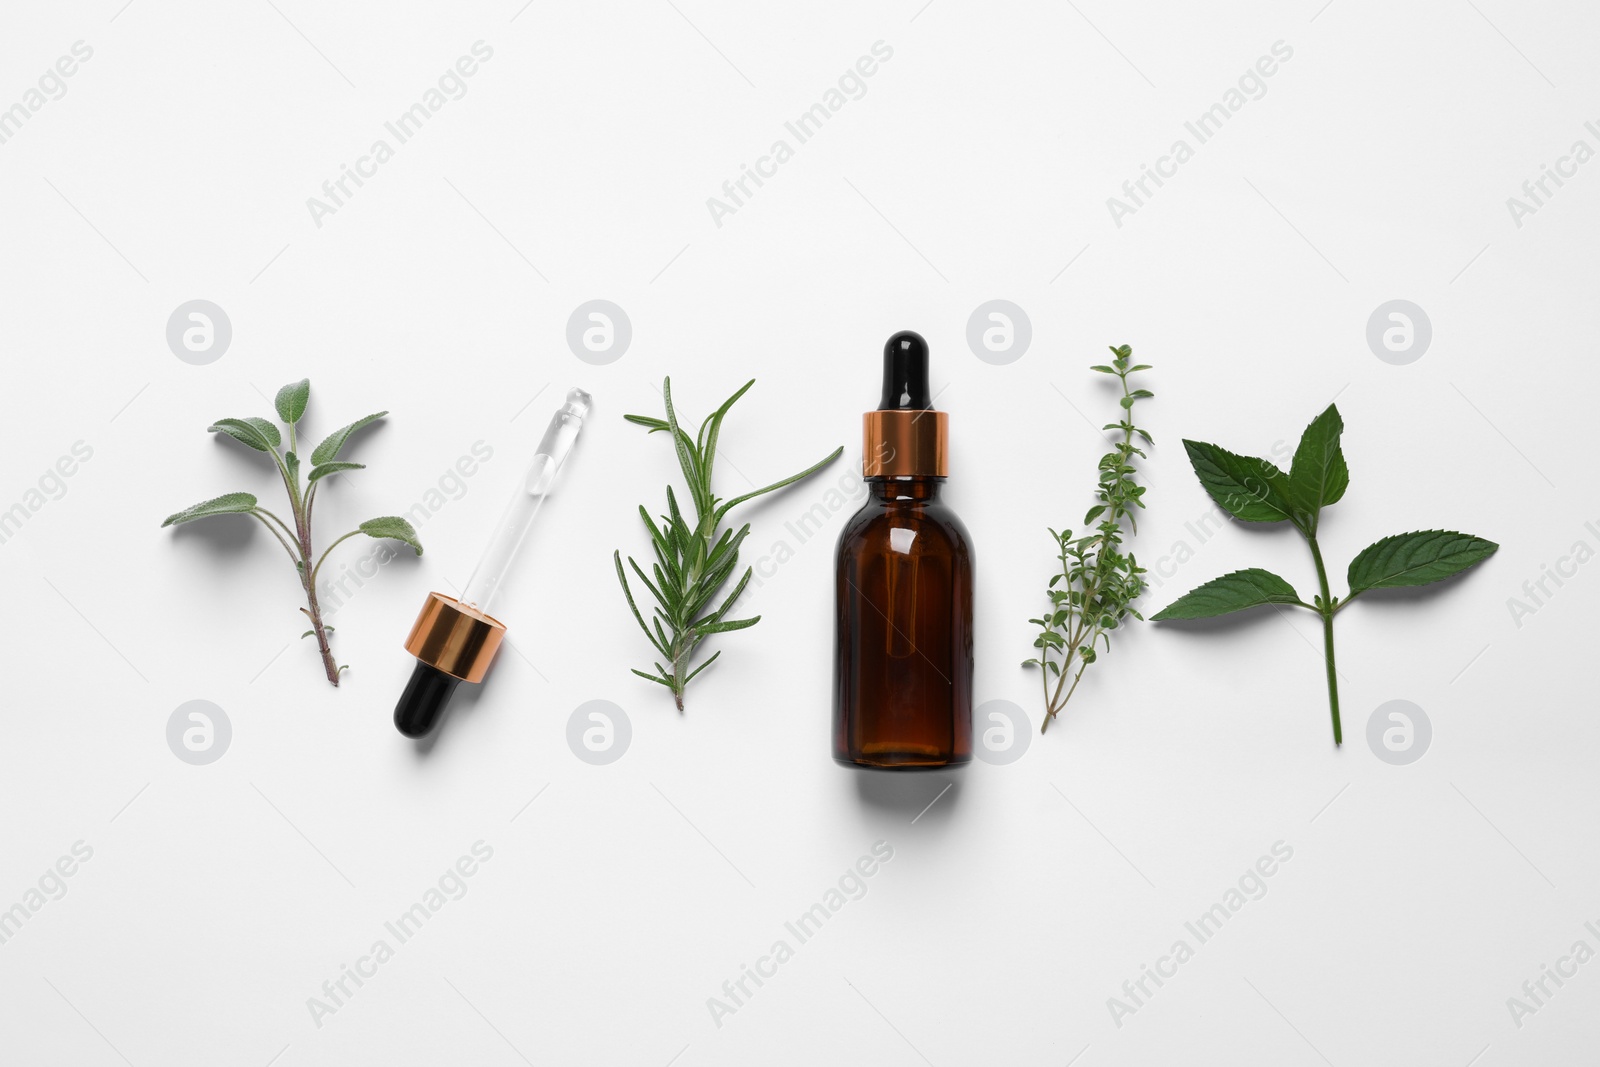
x=1326, y=608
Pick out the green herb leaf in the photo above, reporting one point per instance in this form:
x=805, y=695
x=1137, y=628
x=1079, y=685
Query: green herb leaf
x=322, y=470
x=258, y=434
x=656, y=425
x=808, y=472
x=394, y=528
x=723, y=627
x=1416, y=559
x=1318, y=476
x=227, y=504
x=291, y=401
x=1232, y=592
x=329, y=449
x=1245, y=487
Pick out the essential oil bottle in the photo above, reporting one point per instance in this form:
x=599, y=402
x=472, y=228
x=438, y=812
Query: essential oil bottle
x=902, y=669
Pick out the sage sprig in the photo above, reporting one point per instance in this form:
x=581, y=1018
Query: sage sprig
x=262, y=435
x=1255, y=490
x=693, y=561
x=1095, y=588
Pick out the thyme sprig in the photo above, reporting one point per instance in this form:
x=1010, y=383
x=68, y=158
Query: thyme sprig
x=1097, y=583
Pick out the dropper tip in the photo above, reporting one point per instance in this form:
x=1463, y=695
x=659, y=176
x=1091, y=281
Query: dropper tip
x=578, y=402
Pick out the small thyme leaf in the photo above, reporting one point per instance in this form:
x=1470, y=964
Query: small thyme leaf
x=692, y=562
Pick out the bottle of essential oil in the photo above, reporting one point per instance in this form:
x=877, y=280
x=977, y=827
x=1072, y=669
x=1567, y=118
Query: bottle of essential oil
x=902, y=673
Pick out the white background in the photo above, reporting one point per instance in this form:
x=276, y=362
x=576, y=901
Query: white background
x=976, y=166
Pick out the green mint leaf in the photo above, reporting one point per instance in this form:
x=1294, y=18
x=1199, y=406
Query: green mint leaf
x=322, y=470
x=258, y=434
x=1245, y=487
x=1318, y=476
x=329, y=449
x=1416, y=559
x=291, y=401
x=227, y=504
x=395, y=528
x=1232, y=592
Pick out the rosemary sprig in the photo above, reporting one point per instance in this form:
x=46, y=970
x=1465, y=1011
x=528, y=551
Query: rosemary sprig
x=1097, y=583
x=693, y=562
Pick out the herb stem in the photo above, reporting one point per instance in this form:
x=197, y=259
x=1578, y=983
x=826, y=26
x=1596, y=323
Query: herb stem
x=330, y=548
x=259, y=510
x=260, y=513
x=308, y=582
x=1326, y=610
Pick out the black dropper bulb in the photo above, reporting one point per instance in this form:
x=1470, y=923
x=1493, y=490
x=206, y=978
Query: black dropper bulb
x=424, y=699
x=905, y=373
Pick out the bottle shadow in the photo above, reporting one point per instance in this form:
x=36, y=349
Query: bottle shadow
x=925, y=798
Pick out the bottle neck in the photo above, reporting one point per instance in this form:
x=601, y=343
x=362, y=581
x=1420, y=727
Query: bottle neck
x=905, y=490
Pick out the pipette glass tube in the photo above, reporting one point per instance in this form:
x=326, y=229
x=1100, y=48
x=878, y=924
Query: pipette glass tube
x=455, y=640
x=519, y=514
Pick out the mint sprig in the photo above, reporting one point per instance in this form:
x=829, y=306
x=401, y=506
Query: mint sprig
x=1255, y=490
x=263, y=436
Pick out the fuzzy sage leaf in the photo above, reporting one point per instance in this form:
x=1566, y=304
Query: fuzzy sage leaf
x=258, y=434
x=395, y=528
x=227, y=504
x=329, y=449
x=292, y=399
x=322, y=470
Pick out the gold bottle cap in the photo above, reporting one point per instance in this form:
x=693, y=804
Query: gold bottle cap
x=454, y=638
x=905, y=444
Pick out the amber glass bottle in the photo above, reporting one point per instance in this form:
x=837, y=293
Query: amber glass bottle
x=902, y=672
